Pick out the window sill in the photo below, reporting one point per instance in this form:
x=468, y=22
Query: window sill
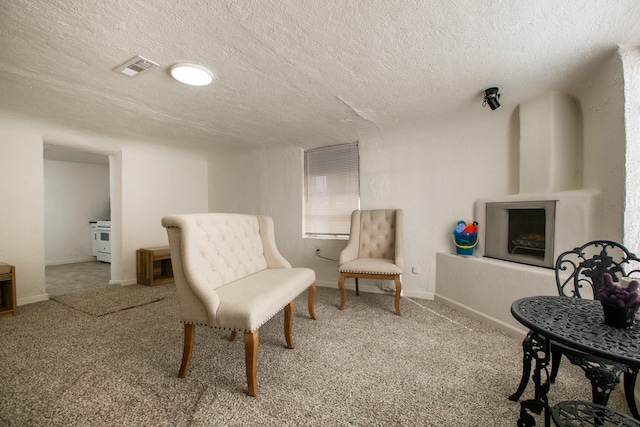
x=326, y=237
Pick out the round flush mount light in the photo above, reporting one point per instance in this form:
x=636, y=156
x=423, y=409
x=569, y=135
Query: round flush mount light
x=191, y=74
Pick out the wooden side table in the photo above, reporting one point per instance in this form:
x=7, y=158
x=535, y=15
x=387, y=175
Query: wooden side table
x=154, y=266
x=8, y=304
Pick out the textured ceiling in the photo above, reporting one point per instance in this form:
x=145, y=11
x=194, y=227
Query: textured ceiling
x=305, y=72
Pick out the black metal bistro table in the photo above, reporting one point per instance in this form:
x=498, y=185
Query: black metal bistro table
x=575, y=323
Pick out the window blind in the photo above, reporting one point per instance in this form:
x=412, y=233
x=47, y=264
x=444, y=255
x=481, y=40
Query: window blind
x=332, y=189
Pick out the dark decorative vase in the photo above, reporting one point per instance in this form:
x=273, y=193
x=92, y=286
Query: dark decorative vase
x=619, y=317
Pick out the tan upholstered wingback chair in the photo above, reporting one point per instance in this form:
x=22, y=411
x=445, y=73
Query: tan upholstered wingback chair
x=374, y=250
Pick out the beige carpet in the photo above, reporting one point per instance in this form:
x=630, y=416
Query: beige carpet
x=110, y=299
x=363, y=366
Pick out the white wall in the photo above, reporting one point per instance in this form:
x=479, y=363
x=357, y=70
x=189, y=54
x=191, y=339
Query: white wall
x=434, y=171
x=74, y=193
x=21, y=209
x=631, y=69
x=550, y=144
x=490, y=286
x=156, y=181
x=236, y=180
x=485, y=288
x=283, y=200
x=147, y=181
x=270, y=182
x=602, y=101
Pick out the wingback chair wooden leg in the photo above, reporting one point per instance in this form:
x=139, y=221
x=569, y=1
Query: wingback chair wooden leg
x=357, y=288
x=232, y=337
x=251, y=359
x=311, y=301
x=343, y=294
x=189, y=338
x=288, y=324
x=398, y=291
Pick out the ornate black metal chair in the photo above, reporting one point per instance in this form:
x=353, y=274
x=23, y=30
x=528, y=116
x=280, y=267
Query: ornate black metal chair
x=579, y=275
x=584, y=414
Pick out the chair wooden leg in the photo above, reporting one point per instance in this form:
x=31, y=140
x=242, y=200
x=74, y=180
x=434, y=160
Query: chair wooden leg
x=311, y=301
x=398, y=291
x=343, y=294
x=289, y=310
x=232, y=337
x=189, y=338
x=357, y=288
x=251, y=360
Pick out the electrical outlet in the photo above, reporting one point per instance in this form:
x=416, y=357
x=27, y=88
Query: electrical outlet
x=415, y=270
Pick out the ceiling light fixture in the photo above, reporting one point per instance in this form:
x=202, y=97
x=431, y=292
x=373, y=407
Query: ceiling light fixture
x=191, y=74
x=491, y=97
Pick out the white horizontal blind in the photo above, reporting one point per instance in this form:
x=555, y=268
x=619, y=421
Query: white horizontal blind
x=332, y=189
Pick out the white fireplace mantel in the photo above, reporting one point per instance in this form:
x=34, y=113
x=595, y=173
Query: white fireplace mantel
x=485, y=288
x=577, y=218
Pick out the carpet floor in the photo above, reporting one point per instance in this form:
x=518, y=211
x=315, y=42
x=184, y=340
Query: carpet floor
x=363, y=366
x=77, y=277
x=110, y=298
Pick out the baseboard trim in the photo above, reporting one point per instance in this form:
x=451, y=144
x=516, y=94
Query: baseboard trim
x=127, y=282
x=498, y=324
x=372, y=288
x=70, y=261
x=31, y=300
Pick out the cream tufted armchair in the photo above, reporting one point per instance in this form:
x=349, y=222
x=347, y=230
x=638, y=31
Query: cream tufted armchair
x=229, y=275
x=374, y=250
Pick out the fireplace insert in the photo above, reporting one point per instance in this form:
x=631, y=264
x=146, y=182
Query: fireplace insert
x=521, y=231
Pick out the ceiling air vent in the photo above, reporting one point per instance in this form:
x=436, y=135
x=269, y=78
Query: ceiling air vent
x=135, y=66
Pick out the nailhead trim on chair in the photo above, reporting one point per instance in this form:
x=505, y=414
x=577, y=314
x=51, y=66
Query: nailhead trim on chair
x=218, y=327
x=239, y=330
x=367, y=272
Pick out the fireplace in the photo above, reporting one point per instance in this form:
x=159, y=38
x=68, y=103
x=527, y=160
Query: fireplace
x=521, y=231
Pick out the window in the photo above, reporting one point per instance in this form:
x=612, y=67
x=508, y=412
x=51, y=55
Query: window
x=332, y=190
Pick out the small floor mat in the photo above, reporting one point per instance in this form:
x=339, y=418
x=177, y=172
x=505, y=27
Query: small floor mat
x=110, y=299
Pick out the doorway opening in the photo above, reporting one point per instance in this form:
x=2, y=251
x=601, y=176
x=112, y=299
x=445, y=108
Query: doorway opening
x=77, y=197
